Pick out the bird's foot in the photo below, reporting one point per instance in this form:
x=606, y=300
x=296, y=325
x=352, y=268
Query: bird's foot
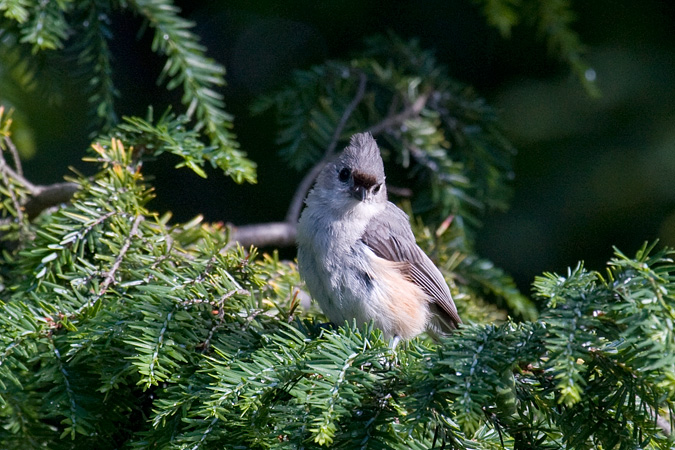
x=392, y=361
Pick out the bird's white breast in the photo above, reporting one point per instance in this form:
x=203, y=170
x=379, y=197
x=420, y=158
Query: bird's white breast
x=332, y=259
x=348, y=280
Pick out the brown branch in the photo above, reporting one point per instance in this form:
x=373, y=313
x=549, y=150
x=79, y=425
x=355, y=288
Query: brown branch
x=110, y=275
x=48, y=196
x=15, y=155
x=360, y=92
x=41, y=196
x=282, y=234
x=277, y=234
x=11, y=173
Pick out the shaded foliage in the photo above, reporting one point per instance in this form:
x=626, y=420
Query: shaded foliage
x=120, y=328
x=83, y=28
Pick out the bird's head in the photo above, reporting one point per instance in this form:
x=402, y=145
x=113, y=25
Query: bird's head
x=357, y=175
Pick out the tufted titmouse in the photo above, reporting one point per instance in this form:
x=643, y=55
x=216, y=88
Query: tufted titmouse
x=358, y=255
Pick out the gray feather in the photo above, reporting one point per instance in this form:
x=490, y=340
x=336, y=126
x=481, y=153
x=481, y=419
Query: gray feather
x=390, y=237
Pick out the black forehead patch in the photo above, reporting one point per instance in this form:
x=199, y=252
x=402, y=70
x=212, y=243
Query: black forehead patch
x=364, y=179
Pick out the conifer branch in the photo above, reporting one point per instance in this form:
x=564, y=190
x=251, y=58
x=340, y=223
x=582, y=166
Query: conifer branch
x=46, y=196
x=15, y=155
x=110, y=275
x=396, y=120
x=63, y=372
x=16, y=175
x=248, y=371
x=152, y=376
x=40, y=197
x=95, y=56
x=188, y=67
x=196, y=337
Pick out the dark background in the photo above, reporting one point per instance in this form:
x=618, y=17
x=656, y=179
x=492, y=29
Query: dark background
x=590, y=173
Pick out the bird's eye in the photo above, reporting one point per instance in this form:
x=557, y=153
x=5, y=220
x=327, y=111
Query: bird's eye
x=344, y=175
x=376, y=189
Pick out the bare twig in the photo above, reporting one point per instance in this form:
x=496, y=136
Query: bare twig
x=388, y=122
x=11, y=173
x=42, y=196
x=396, y=119
x=306, y=183
x=15, y=155
x=360, y=92
x=399, y=191
x=278, y=234
x=48, y=196
x=110, y=275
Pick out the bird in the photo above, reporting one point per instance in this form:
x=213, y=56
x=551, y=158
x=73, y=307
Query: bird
x=358, y=256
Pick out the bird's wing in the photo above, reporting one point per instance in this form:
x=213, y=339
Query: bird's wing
x=389, y=236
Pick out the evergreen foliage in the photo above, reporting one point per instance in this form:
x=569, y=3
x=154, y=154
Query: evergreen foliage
x=122, y=329
x=119, y=329
x=82, y=28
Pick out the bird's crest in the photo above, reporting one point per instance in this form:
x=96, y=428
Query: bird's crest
x=362, y=154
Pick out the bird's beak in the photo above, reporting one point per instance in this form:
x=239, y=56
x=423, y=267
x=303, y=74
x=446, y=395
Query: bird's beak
x=362, y=189
x=359, y=192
